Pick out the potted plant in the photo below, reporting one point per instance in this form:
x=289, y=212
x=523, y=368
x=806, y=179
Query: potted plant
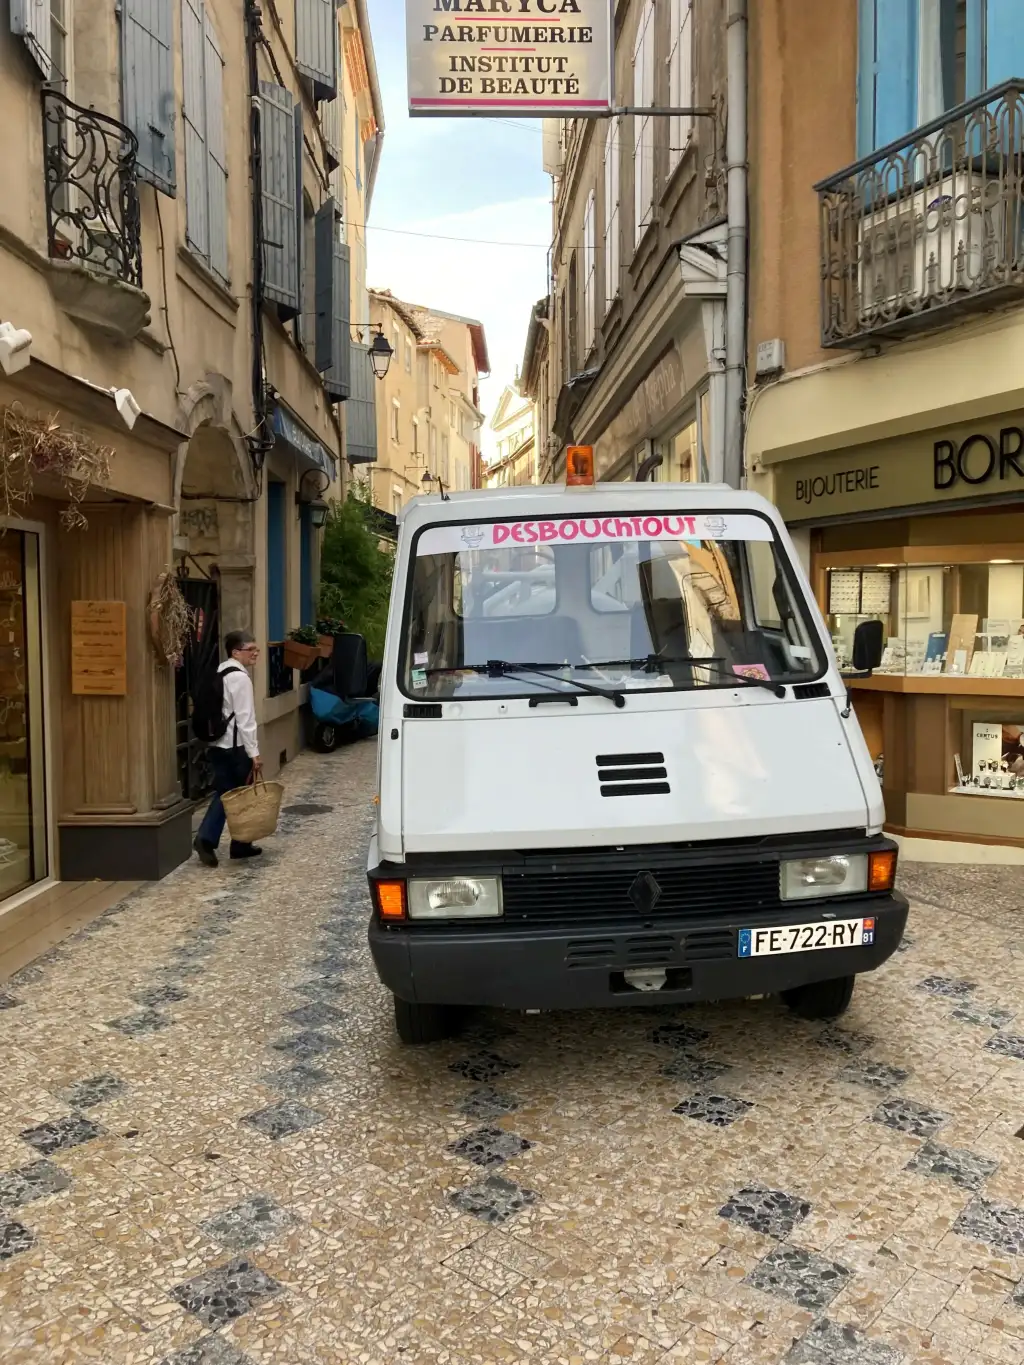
x=301, y=648
x=326, y=629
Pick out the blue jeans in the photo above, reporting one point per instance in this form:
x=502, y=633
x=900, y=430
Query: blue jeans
x=231, y=769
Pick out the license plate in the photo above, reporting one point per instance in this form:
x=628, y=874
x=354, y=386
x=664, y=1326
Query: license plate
x=806, y=938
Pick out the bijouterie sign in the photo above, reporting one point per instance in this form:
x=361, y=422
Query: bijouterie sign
x=536, y=57
x=439, y=540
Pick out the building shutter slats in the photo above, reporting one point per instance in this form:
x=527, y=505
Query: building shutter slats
x=324, y=234
x=361, y=410
x=316, y=24
x=331, y=115
x=280, y=246
x=30, y=21
x=147, y=87
x=193, y=107
x=338, y=379
x=216, y=158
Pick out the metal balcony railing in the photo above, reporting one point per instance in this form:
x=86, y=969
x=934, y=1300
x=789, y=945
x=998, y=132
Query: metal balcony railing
x=92, y=193
x=280, y=678
x=928, y=226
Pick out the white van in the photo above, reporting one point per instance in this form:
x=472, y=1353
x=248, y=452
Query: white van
x=618, y=764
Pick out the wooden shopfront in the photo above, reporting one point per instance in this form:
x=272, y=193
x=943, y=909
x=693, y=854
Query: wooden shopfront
x=926, y=534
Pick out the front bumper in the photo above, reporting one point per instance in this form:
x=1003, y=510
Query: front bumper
x=582, y=968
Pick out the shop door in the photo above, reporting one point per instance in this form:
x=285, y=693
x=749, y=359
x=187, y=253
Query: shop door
x=202, y=652
x=23, y=844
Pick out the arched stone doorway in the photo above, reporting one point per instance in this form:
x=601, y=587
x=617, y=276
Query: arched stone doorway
x=215, y=501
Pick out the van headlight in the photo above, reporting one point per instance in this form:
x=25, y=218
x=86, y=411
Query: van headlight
x=842, y=874
x=455, y=898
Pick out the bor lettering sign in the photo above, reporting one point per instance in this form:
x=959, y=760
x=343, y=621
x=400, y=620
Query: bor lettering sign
x=921, y=470
x=542, y=58
x=99, y=649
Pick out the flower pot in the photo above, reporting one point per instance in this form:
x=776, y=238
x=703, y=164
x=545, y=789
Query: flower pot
x=299, y=656
x=326, y=645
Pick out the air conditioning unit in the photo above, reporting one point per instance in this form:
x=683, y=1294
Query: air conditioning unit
x=941, y=240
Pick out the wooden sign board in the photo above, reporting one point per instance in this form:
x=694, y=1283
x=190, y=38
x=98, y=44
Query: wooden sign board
x=99, y=649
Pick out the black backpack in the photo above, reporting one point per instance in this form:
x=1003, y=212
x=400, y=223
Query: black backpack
x=208, y=719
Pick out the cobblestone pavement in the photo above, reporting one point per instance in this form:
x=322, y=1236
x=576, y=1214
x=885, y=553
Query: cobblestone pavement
x=213, y=1150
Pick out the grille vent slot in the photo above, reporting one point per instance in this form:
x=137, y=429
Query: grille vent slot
x=422, y=710
x=632, y=774
x=805, y=691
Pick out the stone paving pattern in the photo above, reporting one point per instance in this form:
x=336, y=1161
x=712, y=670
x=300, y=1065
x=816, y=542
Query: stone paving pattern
x=214, y=1151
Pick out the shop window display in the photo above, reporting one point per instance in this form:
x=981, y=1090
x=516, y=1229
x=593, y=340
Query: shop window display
x=961, y=620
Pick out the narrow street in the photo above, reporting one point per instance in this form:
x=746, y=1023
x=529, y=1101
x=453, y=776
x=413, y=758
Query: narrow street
x=214, y=1150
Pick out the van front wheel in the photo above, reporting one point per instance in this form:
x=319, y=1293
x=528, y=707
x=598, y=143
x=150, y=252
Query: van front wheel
x=821, y=999
x=423, y=1023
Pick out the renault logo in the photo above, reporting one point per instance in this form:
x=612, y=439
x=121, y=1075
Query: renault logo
x=645, y=893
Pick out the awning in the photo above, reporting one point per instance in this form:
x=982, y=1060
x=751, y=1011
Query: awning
x=305, y=447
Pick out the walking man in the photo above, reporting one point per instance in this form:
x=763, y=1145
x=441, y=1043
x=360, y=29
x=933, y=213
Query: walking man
x=233, y=748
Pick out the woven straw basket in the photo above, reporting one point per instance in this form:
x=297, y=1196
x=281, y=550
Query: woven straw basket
x=252, y=810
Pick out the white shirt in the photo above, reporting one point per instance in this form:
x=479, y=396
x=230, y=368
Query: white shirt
x=240, y=706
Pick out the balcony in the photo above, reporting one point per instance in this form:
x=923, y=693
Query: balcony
x=93, y=223
x=929, y=228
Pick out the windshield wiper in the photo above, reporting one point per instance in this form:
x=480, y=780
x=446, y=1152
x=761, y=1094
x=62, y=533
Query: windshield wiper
x=654, y=663
x=502, y=668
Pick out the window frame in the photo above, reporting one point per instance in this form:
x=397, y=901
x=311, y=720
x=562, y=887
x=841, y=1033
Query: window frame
x=643, y=132
x=680, y=79
x=612, y=220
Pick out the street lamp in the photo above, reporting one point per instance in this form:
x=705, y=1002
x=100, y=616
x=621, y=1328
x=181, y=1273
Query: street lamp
x=318, y=509
x=429, y=480
x=379, y=350
x=380, y=355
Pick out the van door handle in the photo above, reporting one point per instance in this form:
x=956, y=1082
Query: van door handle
x=554, y=700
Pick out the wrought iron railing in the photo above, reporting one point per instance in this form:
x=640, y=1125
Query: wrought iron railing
x=928, y=225
x=280, y=678
x=92, y=193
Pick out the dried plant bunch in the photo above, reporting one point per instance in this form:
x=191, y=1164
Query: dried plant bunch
x=171, y=620
x=31, y=446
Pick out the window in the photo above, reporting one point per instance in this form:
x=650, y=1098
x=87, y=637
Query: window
x=396, y=500
x=408, y=355
x=680, y=78
x=611, y=214
x=684, y=592
x=919, y=58
x=643, y=130
x=416, y=436
x=445, y=470
x=206, y=175
x=589, y=275
x=432, y=447
x=396, y=414
x=573, y=321
x=60, y=48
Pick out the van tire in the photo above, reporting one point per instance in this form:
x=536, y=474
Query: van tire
x=417, y=1024
x=821, y=999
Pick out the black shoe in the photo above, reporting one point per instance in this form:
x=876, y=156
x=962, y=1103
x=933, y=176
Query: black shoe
x=206, y=851
x=245, y=851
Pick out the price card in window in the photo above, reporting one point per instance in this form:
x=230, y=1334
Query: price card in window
x=876, y=591
x=843, y=592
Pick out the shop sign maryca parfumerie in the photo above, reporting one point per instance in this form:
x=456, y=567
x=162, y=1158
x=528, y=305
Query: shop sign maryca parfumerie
x=487, y=57
x=982, y=461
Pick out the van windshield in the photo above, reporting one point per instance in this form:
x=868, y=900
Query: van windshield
x=631, y=602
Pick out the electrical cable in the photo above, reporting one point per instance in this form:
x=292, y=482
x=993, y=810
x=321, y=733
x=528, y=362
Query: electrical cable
x=164, y=310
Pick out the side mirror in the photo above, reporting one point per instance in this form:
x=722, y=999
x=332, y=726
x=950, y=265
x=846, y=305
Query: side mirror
x=868, y=643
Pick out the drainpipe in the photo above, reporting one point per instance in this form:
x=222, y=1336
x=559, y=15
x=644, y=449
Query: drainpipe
x=736, y=249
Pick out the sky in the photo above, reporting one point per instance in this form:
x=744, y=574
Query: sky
x=477, y=181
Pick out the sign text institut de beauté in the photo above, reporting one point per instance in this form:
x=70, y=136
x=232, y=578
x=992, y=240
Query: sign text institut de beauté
x=539, y=57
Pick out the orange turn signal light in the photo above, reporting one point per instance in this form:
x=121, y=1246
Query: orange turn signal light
x=579, y=466
x=882, y=870
x=390, y=900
